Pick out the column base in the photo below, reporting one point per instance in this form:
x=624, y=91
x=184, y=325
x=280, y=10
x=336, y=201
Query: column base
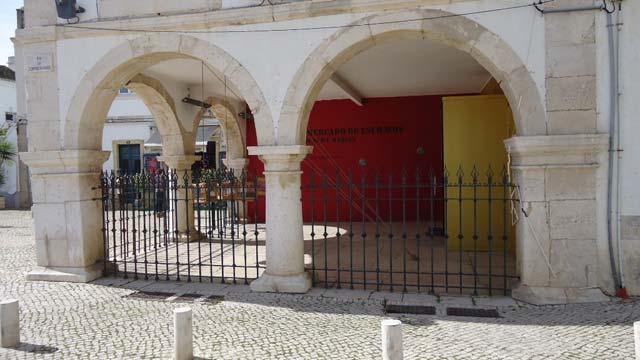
x=293, y=284
x=66, y=274
x=542, y=295
x=193, y=236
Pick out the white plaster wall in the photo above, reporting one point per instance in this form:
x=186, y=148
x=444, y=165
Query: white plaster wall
x=128, y=105
x=273, y=58
x=630, y=92
x=123, y=131
x=8, y=104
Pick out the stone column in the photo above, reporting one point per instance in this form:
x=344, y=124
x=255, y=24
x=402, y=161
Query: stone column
x=238, y=166
x=184, y=221
x=67, y=214
x=561, y=256
x=285, y=243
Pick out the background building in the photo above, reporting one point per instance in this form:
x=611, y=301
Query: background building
x=16, y=189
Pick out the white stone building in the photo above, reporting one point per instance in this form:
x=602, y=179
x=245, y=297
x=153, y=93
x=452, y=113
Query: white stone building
x=556, y=65
x=16, y=189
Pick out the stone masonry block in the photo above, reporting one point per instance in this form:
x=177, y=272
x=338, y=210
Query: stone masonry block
x=573, y=219
x=533, y=245
x=571, y=60
x=572, y=93
x=572, y=122
x=570, y=183
x=570, y=28
x=574, y=263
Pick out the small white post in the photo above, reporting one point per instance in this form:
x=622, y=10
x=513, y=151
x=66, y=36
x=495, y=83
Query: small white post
x=392, y=339
x=183, y=334
x=9, y=323
x=636, y=336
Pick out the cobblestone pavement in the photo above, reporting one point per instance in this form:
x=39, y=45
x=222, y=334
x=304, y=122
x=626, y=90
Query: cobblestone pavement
x=99, y=321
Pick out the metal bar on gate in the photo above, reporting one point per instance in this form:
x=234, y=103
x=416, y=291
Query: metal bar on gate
x=156, y=221
x=324, y=234
x=445, y=224
x=243, y=184
x=490, y=232
x=313, y=227
x=377, y=189
x=125, y=226
x=165, y=219
x=474, y=174
x=105, y=220
x=232, y=186
x=135, y=239
x=198, y=210
x=432, y=196
x=113, y=227
x=505, y=183
x=460, y=235
x=338, y=233
x=145, y=231
x=255, y=215
x=221, y=223
x=390, y=235
x=418, y=231
x=186, y=181
x=209, y=222
x=404, y=231
x=176, y=232
x=350, y=179
x=364, y=231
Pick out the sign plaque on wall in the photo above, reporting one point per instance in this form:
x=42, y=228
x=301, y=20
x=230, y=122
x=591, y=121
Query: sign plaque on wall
x=40, y=63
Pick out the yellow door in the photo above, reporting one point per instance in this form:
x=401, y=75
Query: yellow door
x=474, y=130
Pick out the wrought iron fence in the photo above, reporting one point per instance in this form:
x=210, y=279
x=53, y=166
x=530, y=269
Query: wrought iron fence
x=180, y=227
x=421, y=232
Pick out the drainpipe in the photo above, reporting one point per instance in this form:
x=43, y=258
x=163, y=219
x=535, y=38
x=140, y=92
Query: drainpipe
x=612, y=156
x=623, y=290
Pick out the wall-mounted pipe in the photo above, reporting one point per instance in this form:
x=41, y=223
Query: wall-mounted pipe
x=612, y=147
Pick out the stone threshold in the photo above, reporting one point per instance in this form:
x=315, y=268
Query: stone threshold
x=206, y=289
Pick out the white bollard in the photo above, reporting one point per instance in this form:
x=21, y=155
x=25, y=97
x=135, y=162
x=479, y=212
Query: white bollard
x=183, y=334
x=391, y=339
x=9, y=323
x=636, y=336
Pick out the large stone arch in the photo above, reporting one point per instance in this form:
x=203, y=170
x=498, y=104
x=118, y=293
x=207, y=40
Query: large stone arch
x=97, y=90
x=456, y=31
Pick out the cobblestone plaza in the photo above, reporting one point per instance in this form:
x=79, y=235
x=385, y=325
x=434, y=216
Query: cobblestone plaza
x=101, y=320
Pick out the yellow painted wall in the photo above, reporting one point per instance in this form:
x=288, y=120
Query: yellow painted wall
x=474, y=130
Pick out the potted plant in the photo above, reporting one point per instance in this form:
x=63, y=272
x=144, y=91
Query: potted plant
x=7, y=153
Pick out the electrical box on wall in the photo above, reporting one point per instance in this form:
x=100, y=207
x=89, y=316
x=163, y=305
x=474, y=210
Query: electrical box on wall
x=67, y=9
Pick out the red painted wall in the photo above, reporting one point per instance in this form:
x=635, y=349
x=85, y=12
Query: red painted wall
x=389, y=136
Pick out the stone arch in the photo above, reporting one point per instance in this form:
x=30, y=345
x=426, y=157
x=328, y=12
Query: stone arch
x=162, y=107
x=230, y=125
x=98, y=88
x=456, y=31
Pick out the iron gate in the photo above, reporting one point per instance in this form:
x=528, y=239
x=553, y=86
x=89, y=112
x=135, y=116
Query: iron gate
x=412, y=232
x=436, y=233
x=174, y=226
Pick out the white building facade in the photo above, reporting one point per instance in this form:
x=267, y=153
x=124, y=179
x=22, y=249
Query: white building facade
x=553, y=64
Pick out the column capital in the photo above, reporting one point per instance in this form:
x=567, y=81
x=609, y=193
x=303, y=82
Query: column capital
x=281, y=158
x=557, y=150
x=179, y=162
x=65, y=162
x=236, y=164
